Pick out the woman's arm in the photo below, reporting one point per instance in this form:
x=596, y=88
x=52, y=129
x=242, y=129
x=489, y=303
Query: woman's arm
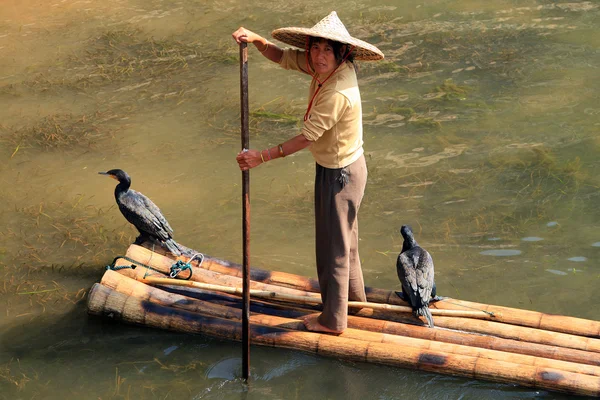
x=252, y=158
x=266, y=48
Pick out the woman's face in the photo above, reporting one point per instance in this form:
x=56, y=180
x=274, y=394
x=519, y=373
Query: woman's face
x=322, y=57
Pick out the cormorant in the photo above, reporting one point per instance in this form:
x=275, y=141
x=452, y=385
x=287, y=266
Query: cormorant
x=415, y=271
x=142, y=213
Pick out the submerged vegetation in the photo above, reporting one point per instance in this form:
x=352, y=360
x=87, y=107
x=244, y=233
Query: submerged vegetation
x=51, y=240
x=509, y=193
x=62, y=131
x=54, y=232
x=130, y=54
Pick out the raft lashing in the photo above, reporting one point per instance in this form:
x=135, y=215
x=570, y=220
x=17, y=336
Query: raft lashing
x=500, y=344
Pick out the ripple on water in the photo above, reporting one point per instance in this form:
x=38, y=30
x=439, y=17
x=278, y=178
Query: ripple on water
x=296, y=362
x=501, y=252
x=493, y=239
x=532, y=239
x=552, y=223
x=578, y=259
x=225, y=369
x=597, y=244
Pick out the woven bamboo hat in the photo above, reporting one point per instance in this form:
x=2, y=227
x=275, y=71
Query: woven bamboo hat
x=331, y=28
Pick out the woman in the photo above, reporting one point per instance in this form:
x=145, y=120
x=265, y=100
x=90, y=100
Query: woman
x=333, y=132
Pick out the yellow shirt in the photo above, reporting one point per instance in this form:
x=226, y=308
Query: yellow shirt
x=334, y=122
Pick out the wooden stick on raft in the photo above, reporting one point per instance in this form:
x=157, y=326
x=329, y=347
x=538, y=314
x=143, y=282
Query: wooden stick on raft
x=504, y=330
x=375, y=332
x=515, y=316
x=316, y=299
x=108, y=303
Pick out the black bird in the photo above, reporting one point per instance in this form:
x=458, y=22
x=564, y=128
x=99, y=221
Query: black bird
x=142, y=212
x=415, y=271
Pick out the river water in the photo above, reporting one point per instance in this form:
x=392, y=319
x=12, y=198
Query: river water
x=481, y=131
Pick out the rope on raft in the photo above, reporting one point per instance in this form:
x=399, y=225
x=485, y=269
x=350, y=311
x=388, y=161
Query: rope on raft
x=180, y=266
x=176, y=268
x=120, y=267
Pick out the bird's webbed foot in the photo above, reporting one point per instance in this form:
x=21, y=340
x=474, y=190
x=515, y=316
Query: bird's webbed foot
x=434, y=296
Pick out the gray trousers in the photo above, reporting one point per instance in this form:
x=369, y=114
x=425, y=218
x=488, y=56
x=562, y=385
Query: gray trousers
x=338, y=193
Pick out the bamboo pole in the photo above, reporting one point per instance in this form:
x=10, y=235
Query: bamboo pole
x=404, y=327
x=533, y=335
x=312, y=299
x=109, y=303
x=524, y=333
x=278, y=278
x=163, y=265
x=515, y=316
x=137, y=289
x=140, y=273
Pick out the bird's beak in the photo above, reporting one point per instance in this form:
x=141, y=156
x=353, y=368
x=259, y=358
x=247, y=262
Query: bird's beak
x=109, y=175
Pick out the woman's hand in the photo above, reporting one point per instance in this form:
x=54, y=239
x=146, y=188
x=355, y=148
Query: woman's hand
x=248, y=159
x=244, y=35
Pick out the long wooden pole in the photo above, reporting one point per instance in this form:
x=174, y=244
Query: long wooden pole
x=246, y=213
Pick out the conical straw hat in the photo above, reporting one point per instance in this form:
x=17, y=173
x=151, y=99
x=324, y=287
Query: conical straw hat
x=332, y=28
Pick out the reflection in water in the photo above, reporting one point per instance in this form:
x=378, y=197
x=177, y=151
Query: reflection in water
x=480, y=125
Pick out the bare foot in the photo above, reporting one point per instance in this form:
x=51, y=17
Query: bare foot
x=311, y=323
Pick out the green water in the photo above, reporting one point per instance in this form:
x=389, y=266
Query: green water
x=481, y=131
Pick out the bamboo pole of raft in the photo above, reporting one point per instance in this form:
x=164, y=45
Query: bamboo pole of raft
x=375, y=332
x=533, y=335
x=263, y=290
x=364, y=320
x=125, y=285
x=163, y=265
x=515, y=316
x=502, y=330
x=109, y=303
x=245, y=212
x=313, y=299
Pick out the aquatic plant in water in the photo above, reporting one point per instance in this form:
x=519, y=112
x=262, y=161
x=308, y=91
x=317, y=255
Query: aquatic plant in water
x=56, y=131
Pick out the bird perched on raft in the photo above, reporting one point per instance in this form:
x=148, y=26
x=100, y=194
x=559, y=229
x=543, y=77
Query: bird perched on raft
x=415, y=271
x=140, y=211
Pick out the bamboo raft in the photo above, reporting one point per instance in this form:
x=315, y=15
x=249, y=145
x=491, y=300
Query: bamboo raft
x=473, y=340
